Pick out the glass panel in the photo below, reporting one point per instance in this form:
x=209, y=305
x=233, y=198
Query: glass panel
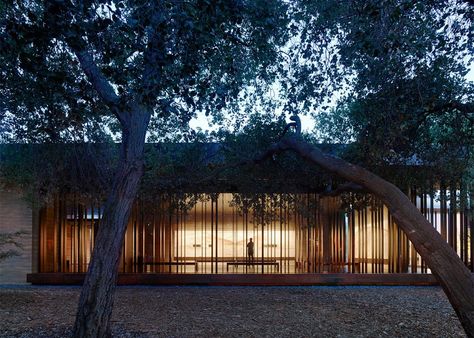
x=292, y=233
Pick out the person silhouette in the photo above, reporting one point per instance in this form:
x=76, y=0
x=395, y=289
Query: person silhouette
x=250, y=247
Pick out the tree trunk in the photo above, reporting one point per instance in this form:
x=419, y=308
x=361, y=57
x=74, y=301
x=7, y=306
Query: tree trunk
x=96, y=300
x=454, y=277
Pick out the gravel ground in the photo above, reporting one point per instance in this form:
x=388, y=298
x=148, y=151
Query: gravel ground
x=32, y=311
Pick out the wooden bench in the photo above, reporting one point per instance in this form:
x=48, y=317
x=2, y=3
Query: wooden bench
x=253, y=263
x=328, y=267
x=172, y=263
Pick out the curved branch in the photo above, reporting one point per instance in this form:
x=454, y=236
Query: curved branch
x=456, y=280
x=98, y=80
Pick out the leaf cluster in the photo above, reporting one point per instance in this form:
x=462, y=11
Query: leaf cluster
x=176, y=57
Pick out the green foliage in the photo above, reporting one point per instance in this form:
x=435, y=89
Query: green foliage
x=227, y=164
x=175, y=57
x=401, y=66
x=397, y=68
x=42, y=170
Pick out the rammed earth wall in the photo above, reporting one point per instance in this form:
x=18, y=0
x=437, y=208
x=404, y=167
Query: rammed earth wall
x=16, y=215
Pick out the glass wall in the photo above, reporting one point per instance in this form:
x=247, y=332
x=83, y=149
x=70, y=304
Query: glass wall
x=291, y=233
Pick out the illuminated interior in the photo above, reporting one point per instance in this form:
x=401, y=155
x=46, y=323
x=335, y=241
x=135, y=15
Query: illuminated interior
x=202, y=233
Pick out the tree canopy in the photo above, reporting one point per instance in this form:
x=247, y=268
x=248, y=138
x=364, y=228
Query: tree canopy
x=395, y=71
x=176, y=57
x=387, y=78
x=407, y=99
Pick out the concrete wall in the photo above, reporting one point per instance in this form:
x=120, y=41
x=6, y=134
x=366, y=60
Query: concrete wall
x=15, y=215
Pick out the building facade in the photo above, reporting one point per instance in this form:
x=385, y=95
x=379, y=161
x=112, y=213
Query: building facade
x=204, y=234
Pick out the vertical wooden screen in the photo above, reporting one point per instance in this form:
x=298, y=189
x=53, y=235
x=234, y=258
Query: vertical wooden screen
x=293, y=233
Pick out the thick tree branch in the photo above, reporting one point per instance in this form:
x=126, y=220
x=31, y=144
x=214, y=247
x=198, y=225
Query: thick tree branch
x=97, y=79
x=456, y=280
x=67, y=20
x=102, y=86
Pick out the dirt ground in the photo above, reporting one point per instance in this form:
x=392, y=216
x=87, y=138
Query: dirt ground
x=33, y=311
